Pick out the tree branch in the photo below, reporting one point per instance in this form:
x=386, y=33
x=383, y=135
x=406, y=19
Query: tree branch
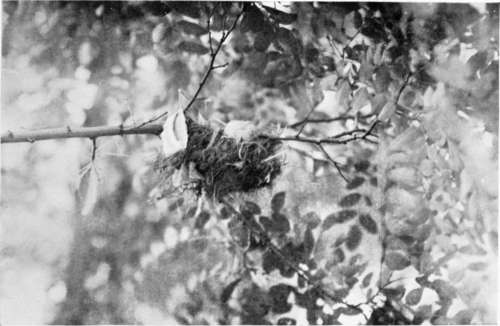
x=211, y=67
x=81, y=132
x=257, y=230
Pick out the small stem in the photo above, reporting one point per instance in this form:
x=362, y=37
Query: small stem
x=335, y=163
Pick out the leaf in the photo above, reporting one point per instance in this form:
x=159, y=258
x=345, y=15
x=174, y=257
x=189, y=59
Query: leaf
x=413, y=297
x=252, y=207
x=281, y=16
x=255, y=302
x=338, y=256
x=239, y=233
x=308, y=242
x=373, y=28
x=477, y=266
x=288, y=41
x=353, y=237
x=366, y=280
x=271, y=262
x=329, y=221
x=311, y=219
x=92, y=193
x=174, y=135
x=190, y=213
x=278, y=201
x=423, y=313
x=345, y=215
x=361, y=166
x=189, y=9
x=228, y=290
x=192, y=47
x=253, y=20
x=287, y=321
x=191, y=28
x=396, y=261
x=387, y=111
x=225, y=213
x=396, y=293
x=262, y=41
x=279, y=296
x=201, y=220
x=266, y=222
x=280, y=223
x=368, y=223
x=350, y=200
x=463, y=317
x=444, y=289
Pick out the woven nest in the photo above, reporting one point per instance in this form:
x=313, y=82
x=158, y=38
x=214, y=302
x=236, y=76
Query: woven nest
x=228, y=165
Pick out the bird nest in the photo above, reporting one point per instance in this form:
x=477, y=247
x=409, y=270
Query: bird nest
x=226, y=165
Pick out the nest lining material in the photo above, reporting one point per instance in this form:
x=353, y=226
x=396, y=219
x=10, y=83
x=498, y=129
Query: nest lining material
x=228, y=165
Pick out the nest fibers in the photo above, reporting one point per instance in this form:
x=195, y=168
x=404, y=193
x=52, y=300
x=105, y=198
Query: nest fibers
x=227, y=165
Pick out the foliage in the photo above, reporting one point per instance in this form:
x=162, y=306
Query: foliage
x=333, y=162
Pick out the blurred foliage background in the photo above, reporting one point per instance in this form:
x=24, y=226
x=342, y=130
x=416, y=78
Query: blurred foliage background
x=90, y=241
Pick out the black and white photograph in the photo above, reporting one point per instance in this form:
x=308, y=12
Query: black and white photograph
x=249, y=163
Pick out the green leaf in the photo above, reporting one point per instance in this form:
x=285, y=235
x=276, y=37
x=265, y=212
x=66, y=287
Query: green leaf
x=266, y=223
x=278, y=201
x=240, y=233
x=262, y=41
x=350, y=200
x=287, y=321
x=394, y=293
x=193, y=47
x=413, y=297
x=253, y=20
x=463, y=317
x=201, y=220
x=190, y=213
x=477, y=266
x=355, y=183
x=367, y=222
x=338, y=255
x=186, y=8
x=228, y=290
x=311, y=219
x=396, y=261
x=366, y=280
x=308, y=241
x=225, y=213
x=353, y=238
x=329, y=221
x=191, y=28
x=280, y=223
x=255, y=302
x=281, y=16
x=346, y=215
x=252, y=207
x=444, y=289
x=279, y=296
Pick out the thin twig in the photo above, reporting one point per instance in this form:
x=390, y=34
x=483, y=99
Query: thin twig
x=257, y=230
x=305, y=119
x=335, y=163
x=203, y=81
x=327, y=120
x=94, y=148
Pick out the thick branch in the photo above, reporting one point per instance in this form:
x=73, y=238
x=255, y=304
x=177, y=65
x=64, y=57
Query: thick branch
x=81, y=132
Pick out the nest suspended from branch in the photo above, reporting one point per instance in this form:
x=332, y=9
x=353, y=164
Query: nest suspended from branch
x=227, y=165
